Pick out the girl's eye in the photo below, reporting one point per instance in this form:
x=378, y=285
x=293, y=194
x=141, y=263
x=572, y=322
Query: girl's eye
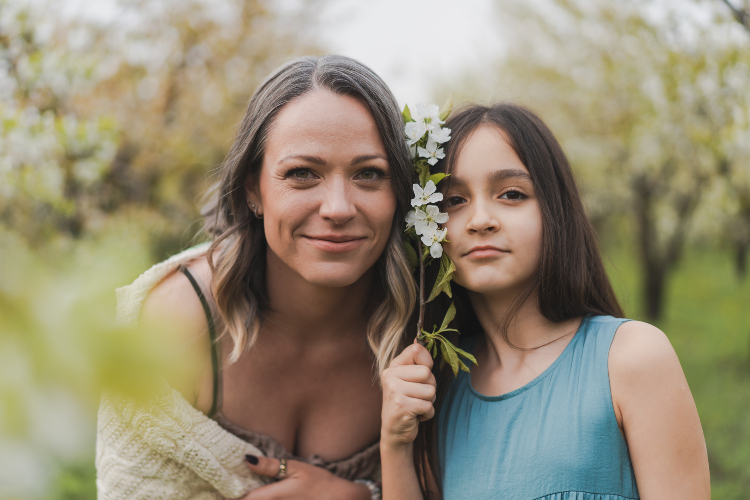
x=513, y=195
x=452, y=201
x=371, y=174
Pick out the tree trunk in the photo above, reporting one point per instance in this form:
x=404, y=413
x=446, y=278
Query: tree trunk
x=740, y=263
x=653, y=294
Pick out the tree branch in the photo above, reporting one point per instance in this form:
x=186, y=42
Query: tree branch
x=740, y=15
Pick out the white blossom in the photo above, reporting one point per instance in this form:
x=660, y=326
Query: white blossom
x=432, y=239
x=411, y=218
x=426, y=195
x=428, y=220
x=414, y=131
x=440, y=134
x=432, y=152
x=429, y=114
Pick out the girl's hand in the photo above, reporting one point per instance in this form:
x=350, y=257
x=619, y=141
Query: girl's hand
x=408, y=394
x=302, y=481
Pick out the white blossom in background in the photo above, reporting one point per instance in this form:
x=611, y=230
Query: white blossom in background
x=432, y=152
x=425, y=196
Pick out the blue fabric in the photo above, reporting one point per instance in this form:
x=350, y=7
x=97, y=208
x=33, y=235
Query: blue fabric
x=556, y=438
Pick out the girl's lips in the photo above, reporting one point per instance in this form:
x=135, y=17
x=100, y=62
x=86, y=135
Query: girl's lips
x=485, y=252
x=339, y=246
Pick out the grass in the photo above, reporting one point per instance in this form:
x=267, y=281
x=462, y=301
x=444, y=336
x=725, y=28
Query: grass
x=707, y=319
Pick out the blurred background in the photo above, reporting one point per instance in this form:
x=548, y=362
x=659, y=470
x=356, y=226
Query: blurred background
x=115, y=114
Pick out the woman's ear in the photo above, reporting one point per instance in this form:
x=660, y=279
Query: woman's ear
x=252, y=195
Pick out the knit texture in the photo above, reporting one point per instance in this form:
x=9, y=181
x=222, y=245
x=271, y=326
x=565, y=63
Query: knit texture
x=166, y=448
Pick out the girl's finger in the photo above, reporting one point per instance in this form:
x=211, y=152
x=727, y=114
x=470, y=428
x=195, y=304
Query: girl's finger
x=265, y=466
x=415, y=354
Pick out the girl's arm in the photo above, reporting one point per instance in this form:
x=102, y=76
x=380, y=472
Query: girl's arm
x=408, y=394
x=657, y=414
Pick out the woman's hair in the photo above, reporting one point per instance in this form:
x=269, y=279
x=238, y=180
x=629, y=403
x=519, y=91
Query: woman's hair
x=238, y=253
x=570, y=281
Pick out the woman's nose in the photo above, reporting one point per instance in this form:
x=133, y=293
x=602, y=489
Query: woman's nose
x=338, y=205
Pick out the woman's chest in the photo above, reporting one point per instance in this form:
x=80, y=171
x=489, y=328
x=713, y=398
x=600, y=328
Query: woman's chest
x=324, y=407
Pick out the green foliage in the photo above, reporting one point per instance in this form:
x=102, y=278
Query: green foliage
x=449, y=351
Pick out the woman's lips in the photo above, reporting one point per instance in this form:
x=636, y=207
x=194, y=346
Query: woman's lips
x=335, y=244
x=485, y=252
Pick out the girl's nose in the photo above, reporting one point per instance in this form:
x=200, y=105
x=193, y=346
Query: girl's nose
x=482, y=219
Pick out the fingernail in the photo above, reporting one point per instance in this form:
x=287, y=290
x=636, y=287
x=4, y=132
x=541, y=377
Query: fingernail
x=251, y=459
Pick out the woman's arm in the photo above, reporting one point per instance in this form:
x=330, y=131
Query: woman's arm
x=657, y=414
x=408, y=395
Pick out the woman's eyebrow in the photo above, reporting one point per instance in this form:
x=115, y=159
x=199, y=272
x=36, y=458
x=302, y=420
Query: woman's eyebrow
x=363, y=158
x=312, y=159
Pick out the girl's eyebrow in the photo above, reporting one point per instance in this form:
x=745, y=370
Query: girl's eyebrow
x=320, y=161
x=496, y=176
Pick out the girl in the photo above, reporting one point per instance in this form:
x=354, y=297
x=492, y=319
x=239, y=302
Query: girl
x=284, y=315
x=568, y=401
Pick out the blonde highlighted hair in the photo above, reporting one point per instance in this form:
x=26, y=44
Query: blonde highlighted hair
x=238, y=253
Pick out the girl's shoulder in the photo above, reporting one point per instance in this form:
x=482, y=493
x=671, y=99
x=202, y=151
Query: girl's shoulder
x=638, y=349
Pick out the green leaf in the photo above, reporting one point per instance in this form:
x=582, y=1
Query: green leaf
x=466, y=355
x=424, y=175
x=443, y=280
x=435, y=178
x=411, y=255
x=434, y=351
x=438, y=287
x=463, y=366
x=443, y=362
x=446, y=109
x=430, y=344
x=449, y=315
x=406, y=114
x=452, y=356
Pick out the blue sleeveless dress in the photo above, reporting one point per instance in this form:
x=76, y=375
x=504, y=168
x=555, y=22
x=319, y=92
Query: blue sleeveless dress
x=556, y=438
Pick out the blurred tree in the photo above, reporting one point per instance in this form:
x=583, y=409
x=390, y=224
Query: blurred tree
x=124, y=116
x=647, y=99
x=740, y=13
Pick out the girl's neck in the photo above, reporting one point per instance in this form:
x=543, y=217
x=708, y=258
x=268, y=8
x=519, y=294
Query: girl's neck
x=528, y=329
x=311, y=312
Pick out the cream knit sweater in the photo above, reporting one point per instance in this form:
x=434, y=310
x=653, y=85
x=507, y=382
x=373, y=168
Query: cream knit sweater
x=168, y=450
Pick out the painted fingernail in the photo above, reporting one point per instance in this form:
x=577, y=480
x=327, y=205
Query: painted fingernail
x=251, y=459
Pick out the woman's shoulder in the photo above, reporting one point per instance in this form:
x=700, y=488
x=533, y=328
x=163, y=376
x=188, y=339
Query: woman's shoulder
x=174, y=304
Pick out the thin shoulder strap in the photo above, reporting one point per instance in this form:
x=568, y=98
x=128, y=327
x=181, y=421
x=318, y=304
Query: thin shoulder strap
x=212, y=335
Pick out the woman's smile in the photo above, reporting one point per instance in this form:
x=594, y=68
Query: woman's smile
x=335, y=243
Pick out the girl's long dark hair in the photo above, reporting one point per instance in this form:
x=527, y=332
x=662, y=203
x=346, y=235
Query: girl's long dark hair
x=570, y=281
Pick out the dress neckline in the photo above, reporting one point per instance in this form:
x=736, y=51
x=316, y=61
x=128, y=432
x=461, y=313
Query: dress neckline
x=535, y=380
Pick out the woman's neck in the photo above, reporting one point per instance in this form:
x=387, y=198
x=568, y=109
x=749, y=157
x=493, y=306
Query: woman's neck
x=311, y=312
x=527, y=330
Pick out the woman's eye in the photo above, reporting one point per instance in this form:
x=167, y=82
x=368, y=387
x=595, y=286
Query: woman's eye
x=370, y=174
x=301, y=174
x=513, y=195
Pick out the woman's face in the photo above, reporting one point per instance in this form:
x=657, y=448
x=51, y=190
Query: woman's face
x=495, y=224
x=324, y=189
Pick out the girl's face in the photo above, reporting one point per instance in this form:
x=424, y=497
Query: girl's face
x=324, y=189
x=495, y=224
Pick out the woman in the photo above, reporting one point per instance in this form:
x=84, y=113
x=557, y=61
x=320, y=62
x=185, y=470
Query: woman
x=567, y=401
x=302, y=293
